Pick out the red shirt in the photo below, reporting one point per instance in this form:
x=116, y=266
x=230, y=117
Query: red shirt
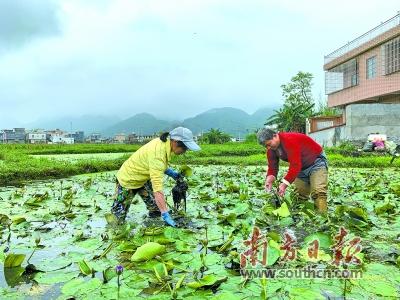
x=296, y=148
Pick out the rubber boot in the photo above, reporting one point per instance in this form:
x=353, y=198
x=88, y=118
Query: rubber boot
x=321, y=205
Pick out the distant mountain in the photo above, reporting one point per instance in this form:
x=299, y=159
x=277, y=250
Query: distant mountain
x=141, y=124
x=87, y=123
x=231, y=120
x=227, y=119
x=259, y=117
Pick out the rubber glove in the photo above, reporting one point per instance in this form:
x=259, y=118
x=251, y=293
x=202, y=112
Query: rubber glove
x=167, y=219
x=172, y=173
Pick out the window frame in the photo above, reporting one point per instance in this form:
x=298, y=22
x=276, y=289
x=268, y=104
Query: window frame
x=370, y=69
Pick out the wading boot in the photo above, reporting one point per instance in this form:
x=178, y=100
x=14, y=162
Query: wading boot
x=321, y=206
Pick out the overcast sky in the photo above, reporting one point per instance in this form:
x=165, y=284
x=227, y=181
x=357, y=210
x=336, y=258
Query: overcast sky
x=173, y=59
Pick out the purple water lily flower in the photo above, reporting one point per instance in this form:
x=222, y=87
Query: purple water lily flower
x=119, y=269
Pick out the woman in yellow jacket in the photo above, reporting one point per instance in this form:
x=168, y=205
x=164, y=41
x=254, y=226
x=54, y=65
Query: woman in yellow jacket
x=143, y=172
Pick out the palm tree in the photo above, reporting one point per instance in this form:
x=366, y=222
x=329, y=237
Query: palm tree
x=291, y=118
x=215, y=136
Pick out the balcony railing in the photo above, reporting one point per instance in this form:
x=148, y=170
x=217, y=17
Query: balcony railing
x=366, y=37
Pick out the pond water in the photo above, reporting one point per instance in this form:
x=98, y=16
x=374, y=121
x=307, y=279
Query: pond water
x=224, y=203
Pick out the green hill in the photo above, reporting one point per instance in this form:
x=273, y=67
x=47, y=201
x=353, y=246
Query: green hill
x=141, y=124
x=227, y=119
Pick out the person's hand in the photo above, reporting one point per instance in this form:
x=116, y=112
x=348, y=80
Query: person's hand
x=268, y=183
x=167, y=219
x=172, y=173
x=282, y=189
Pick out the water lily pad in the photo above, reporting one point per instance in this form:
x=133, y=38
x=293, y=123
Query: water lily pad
x=108, y=274
x=35, y=202
x=226, y=296
x=14, y=260
x=182, y=257
x=273, y=255
x=151, y=231
x=90, y=244
x=381, y=288
x=85, y=268
x=182, y=247
x=55, y=277
x=18, y=219
x=147, y=251
x=229, y=217
x=395, y=187
x=211, y=260
x=325, y=241
x=79, y=286
x=109, y=291
x=184, y=235
x=186, y=171
x=207, y=281
x=13, y=275
x=301, y=293
x=384, y=208
x=358, y=213
x=183, y=244
x=4, y=220
x=282, y=211
x=322, y=256
x=111, y=218
x=134, y=280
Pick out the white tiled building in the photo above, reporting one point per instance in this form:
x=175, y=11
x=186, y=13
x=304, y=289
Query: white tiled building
x=36, y=138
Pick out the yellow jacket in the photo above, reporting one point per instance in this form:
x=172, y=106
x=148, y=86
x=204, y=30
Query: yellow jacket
x=148, y=162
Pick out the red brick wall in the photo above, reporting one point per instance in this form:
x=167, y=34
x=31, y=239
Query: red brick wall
x=367, y=88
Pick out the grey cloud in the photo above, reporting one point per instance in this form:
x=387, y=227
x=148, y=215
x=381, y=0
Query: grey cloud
x=24, y=20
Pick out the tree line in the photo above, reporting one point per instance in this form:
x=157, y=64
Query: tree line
x=299, y=105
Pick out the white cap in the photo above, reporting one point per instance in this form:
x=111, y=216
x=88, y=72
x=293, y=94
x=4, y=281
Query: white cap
x=185, y=136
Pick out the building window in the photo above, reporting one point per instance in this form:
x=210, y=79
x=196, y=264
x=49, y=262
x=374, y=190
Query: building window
x=391, y=56
x=342, y=76
x=354, y=79
x=371, y=67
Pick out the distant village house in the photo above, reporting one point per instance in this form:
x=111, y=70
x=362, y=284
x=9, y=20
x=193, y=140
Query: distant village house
x=16, y=135
x=37, y=137
x=120, y=138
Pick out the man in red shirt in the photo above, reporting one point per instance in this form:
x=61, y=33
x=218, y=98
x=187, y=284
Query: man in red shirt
x=308, y=166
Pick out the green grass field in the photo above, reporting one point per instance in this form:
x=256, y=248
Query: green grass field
x=20, y=163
